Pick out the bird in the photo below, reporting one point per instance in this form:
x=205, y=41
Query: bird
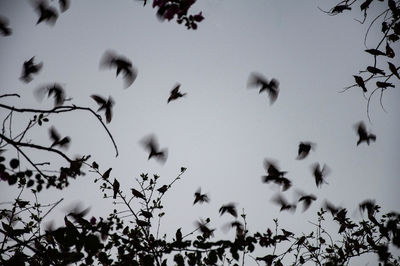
x=275, y=175
x=330, y=207
x=363, y=135
x=5, y=30
x=64, y=5
x=105, y=105
x=271, y=87
x=200, y=198
x=307, y=200
x=304, y=149
x=111, y=60
x=151, y=145
x=393, y=69
x=57, y=140
x=360, y=82
x=163, y=189
x=204, y=229
x=146, y=214
x=175, y=93
x=137, y=194
x=30, y=68
x=46, y=13
x=115, y=188
x=55, y=90
x=229, y=208
x=320, y=174
x=285, y=205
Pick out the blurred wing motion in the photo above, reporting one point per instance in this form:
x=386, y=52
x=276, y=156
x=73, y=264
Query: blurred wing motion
x=229, y=208
x=57, y=140
x=271, y=87
x=175, y=93
x=304, y=149
x=200, y=198
x=46, y=13
x=29, y=68
x=122, y=64
x=283, y=203
x=4, y=29
x=363, y=135
x=105, y=105
x=320, y=174
x=55, y=90
x=150, y=144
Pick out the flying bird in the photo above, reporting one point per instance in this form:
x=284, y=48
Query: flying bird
x=105, y=105
x=307, y=200
x=330, y=207
x=29, y=68
x=320, y=174
x=304, y=149
x=64, y=5
x=122, y=64
x=57, y=140
x=200, y=198
x=4, y=29
x=204, y=229
x=46, y=13
x=275, y=175
x=284, y=204
x=151, y=145
x=271, y=87
x=115, y=188
x=175, y=93
x=363, y=135
x=55, y=90
x=229, y=208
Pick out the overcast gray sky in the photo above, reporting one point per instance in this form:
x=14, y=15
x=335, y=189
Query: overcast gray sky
x=221, y=131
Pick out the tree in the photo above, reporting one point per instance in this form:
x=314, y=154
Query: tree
x=136, y=241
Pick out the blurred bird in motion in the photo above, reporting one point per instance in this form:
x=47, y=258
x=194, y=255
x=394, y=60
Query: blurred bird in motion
x=200, y=198
x=55, y=90
x=29, y=68
x=284, y=204
x=320, y=174
x=175, y=93
x=275, y=175
x=57, y=140
x=307, y=199
x=304, y=149
x=105, y=105
x=110, y=59
x=64, y=5
x=46, y=13
x=151, y=145
x=363, y=135
x=271, y=87
x=4, y=29
x=229, y=208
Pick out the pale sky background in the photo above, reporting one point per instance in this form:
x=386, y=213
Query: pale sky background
x=221, y=131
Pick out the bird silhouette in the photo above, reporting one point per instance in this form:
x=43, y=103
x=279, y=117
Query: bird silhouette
x=275, y=175
x=4, y=29
x=393, y=69
x=151, y=145
x=284, y=204
x=64, y=5
x=304, y=149
x=271, y=87
x=111, y=60
x=55, y=90
x=46, y=13
x=204, y=229
x=163, y=189
x=307, y=200
x=330, y=207
x=229, y=208
x=360, y=82
x=116, y=186
x=363, y=135
x=105, y=105
x=200, y=198
x=175, y=93
x=29, y=68
x=137, y=194
x=57, y=140
x=320, y=174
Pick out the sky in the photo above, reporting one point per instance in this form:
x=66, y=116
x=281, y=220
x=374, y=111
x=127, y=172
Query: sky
x=221, y=131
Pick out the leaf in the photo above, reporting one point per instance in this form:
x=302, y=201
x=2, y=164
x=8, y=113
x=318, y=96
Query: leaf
x=375, y=52
x=389, y=51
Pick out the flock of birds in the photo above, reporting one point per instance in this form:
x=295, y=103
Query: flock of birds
x=123, y=66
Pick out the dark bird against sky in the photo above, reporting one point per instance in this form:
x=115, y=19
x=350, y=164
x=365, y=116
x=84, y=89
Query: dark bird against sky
x=363, y=135
x=320, y=174
x=200, y=198
x=46, y=13
x=55, y=90
x=175, y=93
x=29, y=68
x=271, y=87
x=304, y=149
x=57, y=140
x=105, y=105
x=150, y=144
x=110, y=59
x=5, y=30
